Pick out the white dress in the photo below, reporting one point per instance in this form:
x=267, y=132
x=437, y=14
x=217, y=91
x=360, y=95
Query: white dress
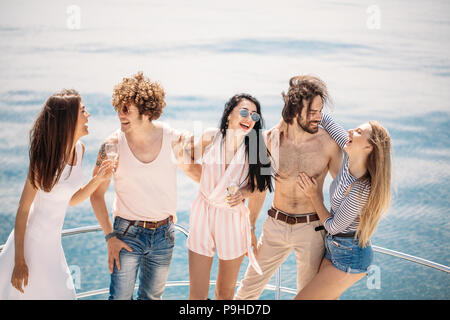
x=48, y=274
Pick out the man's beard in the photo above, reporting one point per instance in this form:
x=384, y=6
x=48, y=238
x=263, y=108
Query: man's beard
x=306, y=126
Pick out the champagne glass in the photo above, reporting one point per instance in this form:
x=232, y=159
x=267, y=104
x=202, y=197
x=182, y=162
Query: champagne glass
x=232, y=189
x=112, y=152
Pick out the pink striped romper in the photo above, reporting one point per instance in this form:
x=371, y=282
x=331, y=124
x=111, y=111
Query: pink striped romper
x=213, y=223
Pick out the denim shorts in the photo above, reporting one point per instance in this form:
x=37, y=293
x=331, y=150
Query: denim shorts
x=346, y=254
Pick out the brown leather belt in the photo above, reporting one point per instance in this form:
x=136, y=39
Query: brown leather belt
x=280, y=215
x=152, y=224
x=344, y=235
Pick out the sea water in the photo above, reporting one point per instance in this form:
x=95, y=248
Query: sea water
x=381, y=61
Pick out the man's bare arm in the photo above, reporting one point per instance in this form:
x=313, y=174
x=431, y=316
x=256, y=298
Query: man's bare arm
x=272, y=138
x=183, y=148
x=193, y=171
x=187, y=153
x=98, y=196
x=255, y=203
x=101, y=213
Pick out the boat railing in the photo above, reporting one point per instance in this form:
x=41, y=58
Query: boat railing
x=277, y=287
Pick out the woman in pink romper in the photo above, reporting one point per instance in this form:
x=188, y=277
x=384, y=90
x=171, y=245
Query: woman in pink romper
x=235, y=166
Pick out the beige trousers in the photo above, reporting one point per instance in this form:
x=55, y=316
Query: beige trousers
x=277, y=241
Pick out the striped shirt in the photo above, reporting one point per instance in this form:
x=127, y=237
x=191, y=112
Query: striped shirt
x=348, y=195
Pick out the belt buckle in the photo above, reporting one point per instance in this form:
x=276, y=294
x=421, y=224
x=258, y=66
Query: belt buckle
x=290, y=218
x=147, y=227
x=155, y=223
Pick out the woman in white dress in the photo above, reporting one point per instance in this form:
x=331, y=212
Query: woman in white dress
x=32, y=263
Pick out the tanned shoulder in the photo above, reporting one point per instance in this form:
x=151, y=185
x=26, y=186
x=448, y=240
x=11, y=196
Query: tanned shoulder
x=331, y=146
x=326, y=138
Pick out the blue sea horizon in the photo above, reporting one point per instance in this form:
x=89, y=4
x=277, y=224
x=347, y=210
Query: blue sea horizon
x=204, y=53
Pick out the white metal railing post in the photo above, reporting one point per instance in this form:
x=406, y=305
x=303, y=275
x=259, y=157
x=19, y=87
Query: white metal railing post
x=278, y=284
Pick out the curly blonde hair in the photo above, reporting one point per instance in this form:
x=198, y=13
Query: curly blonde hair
x=148, y=96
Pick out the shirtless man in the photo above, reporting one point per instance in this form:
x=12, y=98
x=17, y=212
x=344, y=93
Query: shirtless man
x=297, y=145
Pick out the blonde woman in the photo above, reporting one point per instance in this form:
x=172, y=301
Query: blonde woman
x=359, y=195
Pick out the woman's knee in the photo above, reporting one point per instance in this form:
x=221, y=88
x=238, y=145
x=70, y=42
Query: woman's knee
x=224, y=293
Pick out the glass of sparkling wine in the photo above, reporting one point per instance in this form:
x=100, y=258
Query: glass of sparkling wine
x=111, y=150
x=232, y=189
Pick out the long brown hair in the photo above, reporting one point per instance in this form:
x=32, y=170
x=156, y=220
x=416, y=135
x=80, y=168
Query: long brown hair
x=302, y=89
x=259, y=167
x=52, y=137
x=379, y=172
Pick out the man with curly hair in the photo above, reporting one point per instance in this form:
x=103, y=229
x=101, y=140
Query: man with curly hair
x=298, y=145
x=145, y=184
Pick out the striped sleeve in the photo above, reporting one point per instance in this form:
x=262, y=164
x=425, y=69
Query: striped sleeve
x=348, y=210
x=335, y=130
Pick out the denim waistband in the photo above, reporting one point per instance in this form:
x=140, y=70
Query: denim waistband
x=147, y=224
x=344, y=235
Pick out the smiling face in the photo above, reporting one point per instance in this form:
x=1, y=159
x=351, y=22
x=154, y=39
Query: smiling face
x=81, y=128
x=130, y=118
x=358, y=139
x=309, y=119
x=238, y=122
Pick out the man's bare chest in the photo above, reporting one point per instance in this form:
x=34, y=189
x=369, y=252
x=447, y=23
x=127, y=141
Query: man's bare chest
x=310, y=158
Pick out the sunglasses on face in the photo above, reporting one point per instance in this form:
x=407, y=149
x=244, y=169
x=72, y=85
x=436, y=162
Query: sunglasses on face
x=123, y=109
x=244, y=114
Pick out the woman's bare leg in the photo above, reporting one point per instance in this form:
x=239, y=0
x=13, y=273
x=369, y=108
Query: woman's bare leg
x=199, y=270
x=227, y=277
x=329, y=283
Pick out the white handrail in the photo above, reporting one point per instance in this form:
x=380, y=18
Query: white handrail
x=409, y=257
x=181, y=283
x=401, y=255
x=277, y=287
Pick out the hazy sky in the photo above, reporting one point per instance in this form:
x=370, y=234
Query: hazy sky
x=385, y=55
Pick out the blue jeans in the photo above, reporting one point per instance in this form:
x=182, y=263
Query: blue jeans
x=151, y=256
x=346, y=254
